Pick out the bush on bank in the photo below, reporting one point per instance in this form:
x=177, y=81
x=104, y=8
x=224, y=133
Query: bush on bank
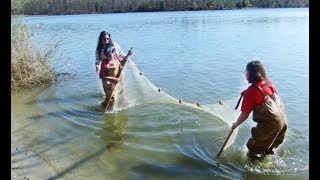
x=30, y=65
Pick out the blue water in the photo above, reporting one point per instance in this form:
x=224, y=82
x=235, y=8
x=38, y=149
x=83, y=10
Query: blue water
x=197, y=56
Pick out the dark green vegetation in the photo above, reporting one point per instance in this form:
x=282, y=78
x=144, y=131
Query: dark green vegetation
x=57, y=7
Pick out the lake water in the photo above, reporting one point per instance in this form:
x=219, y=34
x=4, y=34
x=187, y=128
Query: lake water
x=197, y=56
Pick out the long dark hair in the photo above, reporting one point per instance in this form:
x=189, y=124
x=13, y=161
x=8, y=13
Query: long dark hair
x=256, y=72
x=100, y=40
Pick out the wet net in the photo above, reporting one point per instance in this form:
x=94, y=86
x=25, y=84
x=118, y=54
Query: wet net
x=135, y=89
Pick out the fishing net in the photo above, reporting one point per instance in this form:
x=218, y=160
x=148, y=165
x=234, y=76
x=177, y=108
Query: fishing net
x=134, y=89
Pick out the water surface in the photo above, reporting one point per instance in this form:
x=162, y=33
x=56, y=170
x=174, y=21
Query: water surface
x=197, y=56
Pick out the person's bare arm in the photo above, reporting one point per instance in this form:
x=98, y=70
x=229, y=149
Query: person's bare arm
x=242, y=117
x=112, y=78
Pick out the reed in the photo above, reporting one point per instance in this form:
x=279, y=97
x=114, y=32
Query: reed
x=30, y=65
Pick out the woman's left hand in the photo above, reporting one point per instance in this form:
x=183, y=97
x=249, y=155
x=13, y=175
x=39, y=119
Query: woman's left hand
x=130, y=52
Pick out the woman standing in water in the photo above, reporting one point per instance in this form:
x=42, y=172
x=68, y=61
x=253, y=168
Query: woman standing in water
x=109, y=58
x=268, y=112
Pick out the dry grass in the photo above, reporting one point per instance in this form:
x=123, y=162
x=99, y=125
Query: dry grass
x=30, y=66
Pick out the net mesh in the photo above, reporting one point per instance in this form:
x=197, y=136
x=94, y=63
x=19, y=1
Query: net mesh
x=134, y=89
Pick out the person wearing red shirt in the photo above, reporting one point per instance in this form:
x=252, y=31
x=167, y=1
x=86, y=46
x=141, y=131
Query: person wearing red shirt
x=268, y=112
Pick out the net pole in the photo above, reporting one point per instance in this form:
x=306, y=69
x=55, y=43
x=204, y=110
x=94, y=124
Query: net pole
x=225, y=143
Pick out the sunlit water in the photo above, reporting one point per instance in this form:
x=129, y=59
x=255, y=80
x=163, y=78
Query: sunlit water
x=196, y=56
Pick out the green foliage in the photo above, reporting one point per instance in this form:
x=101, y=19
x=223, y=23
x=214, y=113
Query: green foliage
x=37, y=7
x=246, y=3
x=238, y=5
x=18, y=6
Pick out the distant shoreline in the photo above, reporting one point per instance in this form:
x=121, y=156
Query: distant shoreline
x=26, y=15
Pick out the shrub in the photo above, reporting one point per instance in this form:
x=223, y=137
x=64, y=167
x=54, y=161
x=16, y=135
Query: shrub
x=30, y=66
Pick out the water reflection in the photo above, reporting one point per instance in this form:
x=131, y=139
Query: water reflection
x=113, y=131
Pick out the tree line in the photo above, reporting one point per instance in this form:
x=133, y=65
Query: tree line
x=60, y=7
